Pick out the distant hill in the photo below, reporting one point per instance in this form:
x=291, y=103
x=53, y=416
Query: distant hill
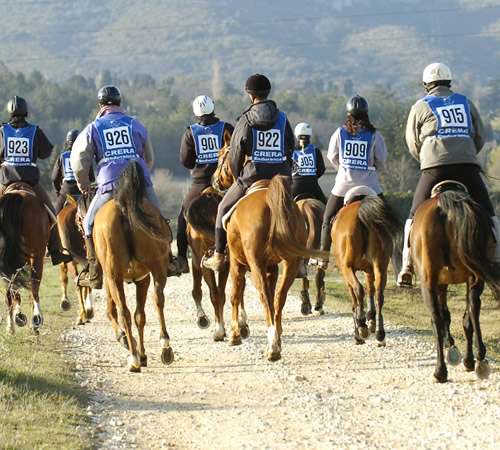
x=297, y=43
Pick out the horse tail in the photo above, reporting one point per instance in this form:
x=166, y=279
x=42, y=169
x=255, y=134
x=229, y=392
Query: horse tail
x=285, y=221
x=313, y=211
x=472, y=231
x=12, y=253
x=202, y=212
x=378, y=215
x=129, y=195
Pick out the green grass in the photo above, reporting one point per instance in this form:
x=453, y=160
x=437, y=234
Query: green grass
x=41, y=405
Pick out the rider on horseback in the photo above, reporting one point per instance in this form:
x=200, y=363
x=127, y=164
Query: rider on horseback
x=308, y=165
x=356, y=150
x=113, y=139
x=444, y=133
x=21, y=144
x=264, y=138
x=200, y=147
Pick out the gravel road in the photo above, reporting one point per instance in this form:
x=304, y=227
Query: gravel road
x=325, y=392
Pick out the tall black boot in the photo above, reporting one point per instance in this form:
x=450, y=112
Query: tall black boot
x=94, y=276
x=325, y=244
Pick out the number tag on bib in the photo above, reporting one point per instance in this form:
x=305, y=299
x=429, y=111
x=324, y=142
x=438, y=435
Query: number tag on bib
x=208, y=148
x=117, y=137
x=268, y=146
x=17, y=146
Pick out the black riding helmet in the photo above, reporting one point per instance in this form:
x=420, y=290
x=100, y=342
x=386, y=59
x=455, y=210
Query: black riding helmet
x=71, y=136
x=357, y=105
x=109, y=95
x=258, y=84
x=17, y=106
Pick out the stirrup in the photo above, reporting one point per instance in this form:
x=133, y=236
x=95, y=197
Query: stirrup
x=405, y=277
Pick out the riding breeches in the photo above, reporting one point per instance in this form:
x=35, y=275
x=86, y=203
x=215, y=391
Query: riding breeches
x=334, y=205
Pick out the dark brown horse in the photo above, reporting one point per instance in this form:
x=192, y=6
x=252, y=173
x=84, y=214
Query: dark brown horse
x=266, y=228
x=313, y=210
x=452, y=242
x=132, y=242
x=72, y=240
x=363, y=234
x=24, y=232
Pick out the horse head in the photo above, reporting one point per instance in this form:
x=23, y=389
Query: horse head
x=223, y=177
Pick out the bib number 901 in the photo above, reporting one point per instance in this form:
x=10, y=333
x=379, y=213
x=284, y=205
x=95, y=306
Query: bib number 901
x=208, y=143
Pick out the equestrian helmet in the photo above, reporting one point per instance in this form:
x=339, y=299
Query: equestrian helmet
x=357, y=105
x=203, y=105
x=109, y=95
x=258, y=84
x=17, y=106
x=303, y=129
x=71, y=136
x=436, y=72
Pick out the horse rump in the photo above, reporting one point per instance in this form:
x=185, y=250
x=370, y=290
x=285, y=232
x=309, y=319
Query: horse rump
x=202, y=212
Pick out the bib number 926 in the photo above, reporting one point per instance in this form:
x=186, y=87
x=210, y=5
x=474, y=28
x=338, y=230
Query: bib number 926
x=117, y=137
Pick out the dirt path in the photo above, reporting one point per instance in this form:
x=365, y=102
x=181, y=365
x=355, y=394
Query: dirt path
x=325, y=392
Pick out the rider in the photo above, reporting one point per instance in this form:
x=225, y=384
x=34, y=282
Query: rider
x=199, y=152
x=113, y=139
x=308, y=165
x=356, y=150
x=444, y=133
x=21, y=144
x=63, y=178
x=260, y=123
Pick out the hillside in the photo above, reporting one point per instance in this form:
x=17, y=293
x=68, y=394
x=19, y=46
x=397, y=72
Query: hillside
x=296, y=43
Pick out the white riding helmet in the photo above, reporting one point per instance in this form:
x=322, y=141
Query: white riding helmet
x=436, y=72
x=303, y=129
x=203, y=105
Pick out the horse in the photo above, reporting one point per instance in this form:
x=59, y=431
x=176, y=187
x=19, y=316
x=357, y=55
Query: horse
x=312, y=210
x=25, y=225
x=363, y=234
x=200, y=217
x=452, y=242
x=132, y=242
x=265, y=228
x=72, y=240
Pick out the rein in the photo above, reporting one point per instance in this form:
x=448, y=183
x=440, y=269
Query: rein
x=221, y=166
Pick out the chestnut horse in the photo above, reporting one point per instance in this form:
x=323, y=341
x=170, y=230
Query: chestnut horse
x=312, y=211
x=24, y=232
x=363, y=234
x=200, y=217
x=132, y=241
x=266, y=228
x=452, y=242
x=72, y=240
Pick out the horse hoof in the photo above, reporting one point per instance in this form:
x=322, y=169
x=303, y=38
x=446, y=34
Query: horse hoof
x=218, y=338
x=371, y=326
x=320, y=310
x=244, y=331
x=381, y=343
x=203, y=322
x=81, y=322
x=144, y=361
x=37, y=321
x=306, y=309
x=21, y=319
x=482, y=369
x=453, y=356
x=274, y=356
x=358, y=340
x=89, y=313
x=235, y=340
x=134, y=363
x=167, y=355
x=65, y=305
x=363, y=331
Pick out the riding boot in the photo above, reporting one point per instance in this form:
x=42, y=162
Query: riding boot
x=405, y=277
x=94, y=275
x=182, y=247
x=54, y=248
x=325, y=245
x=216, y=261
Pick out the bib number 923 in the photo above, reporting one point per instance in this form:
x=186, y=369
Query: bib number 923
x=17, y=146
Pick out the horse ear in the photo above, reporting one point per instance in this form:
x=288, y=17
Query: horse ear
x=226, y=138
x=71, y=199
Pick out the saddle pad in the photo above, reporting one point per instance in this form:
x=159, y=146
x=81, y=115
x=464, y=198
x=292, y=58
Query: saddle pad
x=257, y=186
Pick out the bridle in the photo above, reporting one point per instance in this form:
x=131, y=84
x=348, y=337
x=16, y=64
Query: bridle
x=221, y=168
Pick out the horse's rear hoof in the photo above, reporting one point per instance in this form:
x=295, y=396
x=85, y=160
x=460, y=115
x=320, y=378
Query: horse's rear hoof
x=453, y=356
x=89, y=313
x=21, y=319
x=144, y=361
x=274, y=356
x=358, y=340
x=167, y=355
x=235, y=340
x=381, y=343
x=65, y=305
x=363, y=331
x=306, y=309
x=440, y=377
x=482, y=369
x=203, y=322
x=244, y=331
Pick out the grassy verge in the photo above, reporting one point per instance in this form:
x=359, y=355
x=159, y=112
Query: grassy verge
x=41, y=405
x=406, y=308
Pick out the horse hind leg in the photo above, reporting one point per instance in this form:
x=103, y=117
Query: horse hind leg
x=306, y=307
x=357, y=293
x=320, y=290
x=63, y=280
x=140, y=317
x=238, y=286
x=202, y=320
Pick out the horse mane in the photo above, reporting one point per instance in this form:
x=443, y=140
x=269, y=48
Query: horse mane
x=471, y=230
x=202, y=212
x=129, y=196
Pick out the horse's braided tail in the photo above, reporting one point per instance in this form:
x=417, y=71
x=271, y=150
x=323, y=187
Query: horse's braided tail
x=472, y=231
x=12, y=254
x=284, y=221
x=376, y=214
x=129, y=195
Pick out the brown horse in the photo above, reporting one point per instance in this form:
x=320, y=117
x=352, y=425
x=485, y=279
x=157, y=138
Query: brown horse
x=72, y=240
x=24, y=232
x=200, y=217
x=132, y=241
x=312, y=211
x=363, y=234
x=452, y=242
x=266, y=228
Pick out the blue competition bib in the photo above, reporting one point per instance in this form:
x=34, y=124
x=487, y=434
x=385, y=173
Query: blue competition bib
x=68, y=173
x=452, y=113
x=269, y=145
x=116, y=138
x=355, y=150
x=207, y=142
x=306, y=160
x=19, y=145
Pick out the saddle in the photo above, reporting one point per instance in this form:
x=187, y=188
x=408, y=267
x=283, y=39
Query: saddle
x=358, y=193
x=20, y=187
x=448, y=185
